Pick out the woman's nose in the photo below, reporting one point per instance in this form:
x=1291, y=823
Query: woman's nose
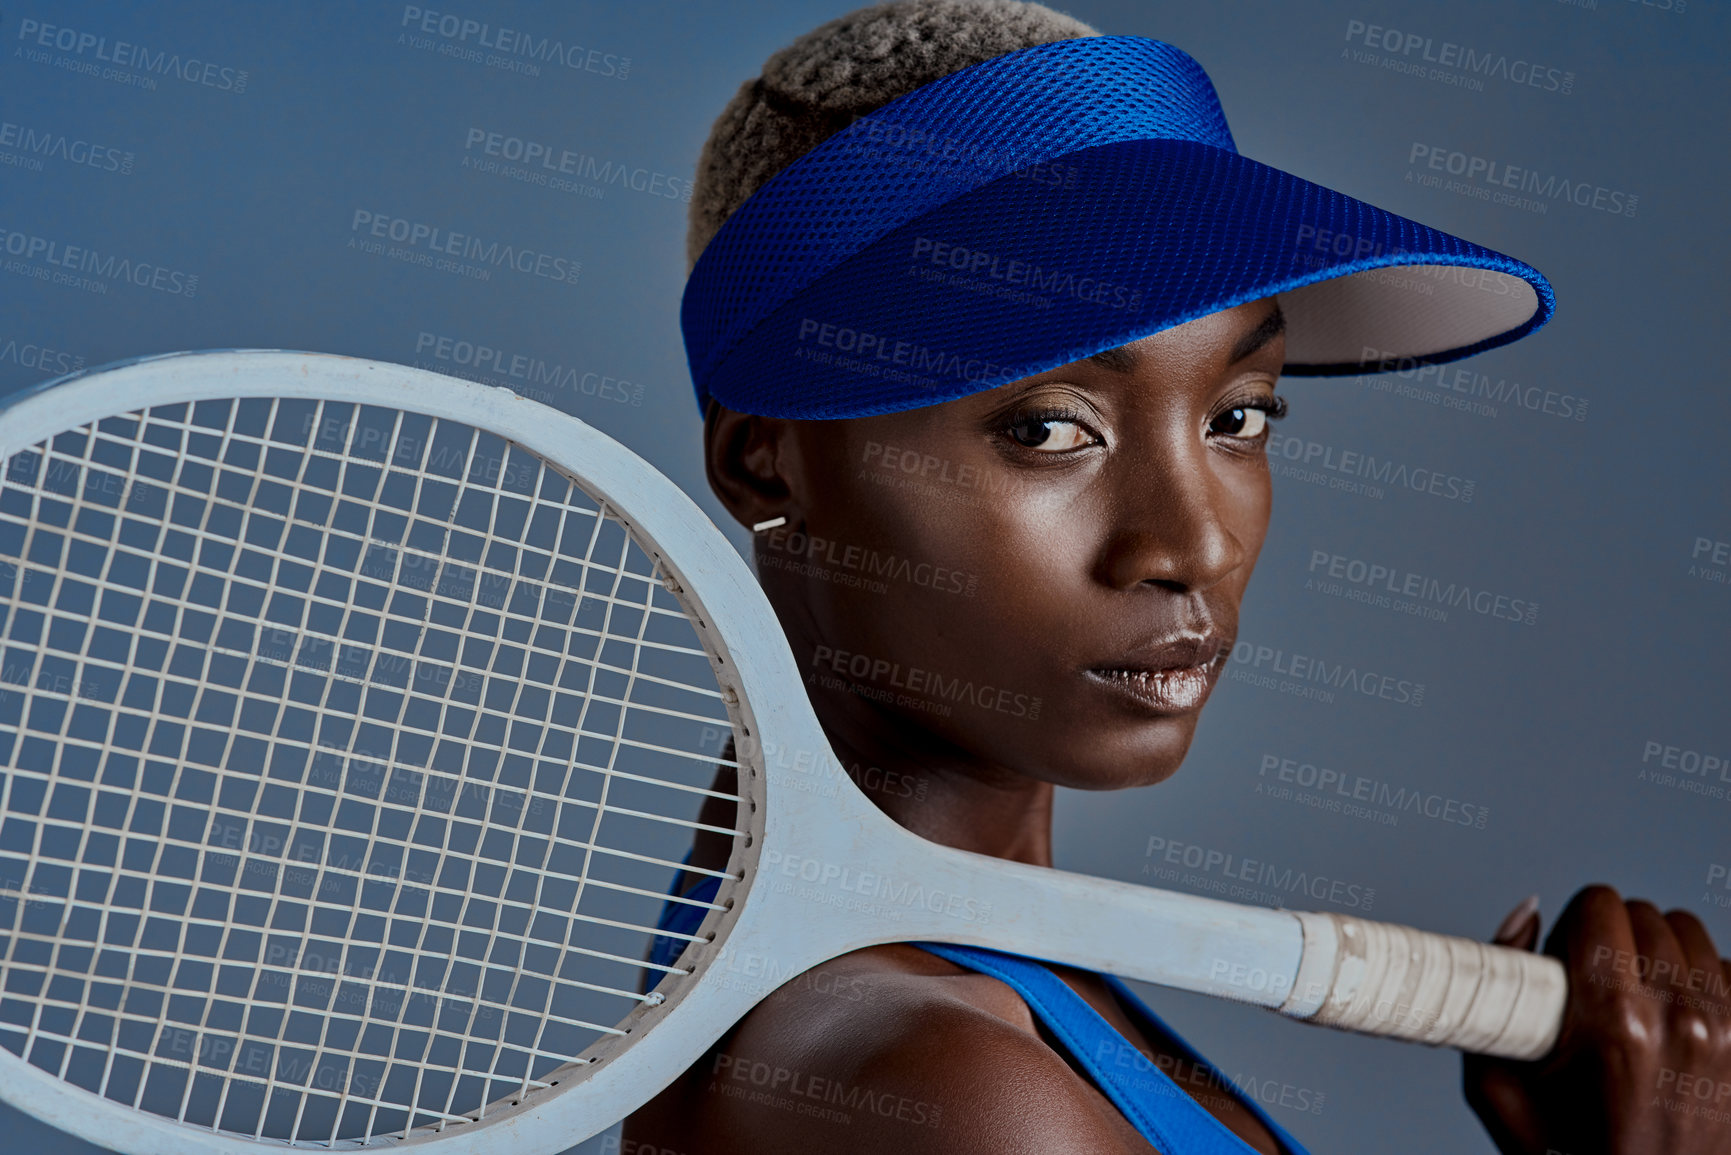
x=1172, y=524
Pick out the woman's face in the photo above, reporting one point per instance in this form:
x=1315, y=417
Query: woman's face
x=1043, y=577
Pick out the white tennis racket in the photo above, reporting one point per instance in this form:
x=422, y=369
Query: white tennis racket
x=353, y=722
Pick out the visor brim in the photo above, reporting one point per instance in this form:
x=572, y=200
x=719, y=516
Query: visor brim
x=1109, y=244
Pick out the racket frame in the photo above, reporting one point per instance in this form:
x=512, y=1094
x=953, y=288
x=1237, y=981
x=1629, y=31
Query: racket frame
x=871, y=881
x=611, y=473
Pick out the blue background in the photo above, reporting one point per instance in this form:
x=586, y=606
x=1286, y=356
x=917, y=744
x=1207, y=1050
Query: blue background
x=1544, y=726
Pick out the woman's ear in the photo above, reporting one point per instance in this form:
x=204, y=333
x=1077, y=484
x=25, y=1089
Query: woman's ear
x=747, y=459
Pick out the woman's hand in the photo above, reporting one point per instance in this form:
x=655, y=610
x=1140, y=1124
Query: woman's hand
x=1643, y=1064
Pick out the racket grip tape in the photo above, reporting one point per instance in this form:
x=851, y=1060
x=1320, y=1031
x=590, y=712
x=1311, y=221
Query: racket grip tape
x=1382, y=979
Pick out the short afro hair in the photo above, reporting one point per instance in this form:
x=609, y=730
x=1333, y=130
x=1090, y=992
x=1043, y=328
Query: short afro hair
x=840, y=71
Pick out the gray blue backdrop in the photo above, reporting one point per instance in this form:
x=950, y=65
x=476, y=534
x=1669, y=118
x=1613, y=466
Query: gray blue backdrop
x=236, y=158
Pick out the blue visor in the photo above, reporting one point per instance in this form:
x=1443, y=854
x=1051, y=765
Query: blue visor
x=1042, y=206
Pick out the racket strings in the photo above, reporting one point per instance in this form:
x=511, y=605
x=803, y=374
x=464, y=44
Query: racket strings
x=506, y=641
x=335, y=644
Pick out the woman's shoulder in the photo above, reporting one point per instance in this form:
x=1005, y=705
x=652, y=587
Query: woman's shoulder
x=885, y=1049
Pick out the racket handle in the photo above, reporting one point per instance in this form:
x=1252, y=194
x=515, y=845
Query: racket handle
x=1382, y=979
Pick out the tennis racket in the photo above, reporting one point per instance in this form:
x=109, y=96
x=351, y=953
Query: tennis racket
x=354, y=720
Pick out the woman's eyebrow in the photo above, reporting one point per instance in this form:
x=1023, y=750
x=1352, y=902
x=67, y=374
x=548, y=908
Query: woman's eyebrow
x=1272, y=326
x=1119, y=360
x=1122, y=360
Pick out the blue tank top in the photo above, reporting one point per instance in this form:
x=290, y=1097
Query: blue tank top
x=1159, y=1108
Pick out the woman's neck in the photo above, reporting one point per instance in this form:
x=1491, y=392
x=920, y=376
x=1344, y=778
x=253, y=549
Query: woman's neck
x=946, y=797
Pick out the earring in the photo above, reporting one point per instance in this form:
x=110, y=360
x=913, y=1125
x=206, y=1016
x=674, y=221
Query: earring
x=770, y=524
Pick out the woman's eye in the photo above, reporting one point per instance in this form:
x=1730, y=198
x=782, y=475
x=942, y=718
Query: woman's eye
x=1241, y=421
x=1050, y=434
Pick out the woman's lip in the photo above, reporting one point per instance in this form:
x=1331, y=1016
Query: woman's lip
x=1171, y=653
x=1173, y=690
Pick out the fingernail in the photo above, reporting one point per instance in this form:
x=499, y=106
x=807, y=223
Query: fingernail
x=1517, y=918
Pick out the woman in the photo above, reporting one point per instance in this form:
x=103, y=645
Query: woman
x=1100, y=517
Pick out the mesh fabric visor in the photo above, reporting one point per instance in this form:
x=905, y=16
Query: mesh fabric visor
x=1045, y=205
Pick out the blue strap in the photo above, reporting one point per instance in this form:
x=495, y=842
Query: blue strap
x=680, y=918
x=1158, y=1108
x=1161, y=1110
